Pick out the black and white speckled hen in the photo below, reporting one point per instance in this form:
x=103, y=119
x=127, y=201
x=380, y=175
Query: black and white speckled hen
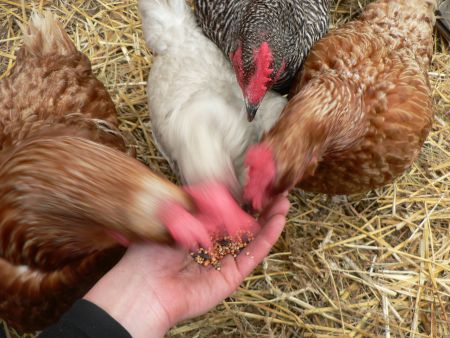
x=266, y=40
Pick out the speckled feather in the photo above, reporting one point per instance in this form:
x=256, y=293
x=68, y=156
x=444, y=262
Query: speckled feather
x=290, y=26
x=362, y=108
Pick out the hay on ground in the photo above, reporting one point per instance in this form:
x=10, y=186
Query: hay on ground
x=375, y=265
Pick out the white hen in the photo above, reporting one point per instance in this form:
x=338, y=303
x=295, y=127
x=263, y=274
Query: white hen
x=196, y=104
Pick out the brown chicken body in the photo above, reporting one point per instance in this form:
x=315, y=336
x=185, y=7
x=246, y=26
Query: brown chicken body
x=65, y=181
x=360, y=110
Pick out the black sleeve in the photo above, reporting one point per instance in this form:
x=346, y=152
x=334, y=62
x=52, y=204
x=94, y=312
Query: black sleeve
x=85, y=320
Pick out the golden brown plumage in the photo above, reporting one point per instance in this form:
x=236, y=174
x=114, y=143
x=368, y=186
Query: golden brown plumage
x=65, y=181
x=361, y=108
x=52, y=83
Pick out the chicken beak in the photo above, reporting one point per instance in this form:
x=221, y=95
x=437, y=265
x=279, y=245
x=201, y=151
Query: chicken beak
x=251, y=110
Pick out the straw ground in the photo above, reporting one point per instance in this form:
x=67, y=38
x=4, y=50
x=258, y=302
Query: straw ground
x=377, y=265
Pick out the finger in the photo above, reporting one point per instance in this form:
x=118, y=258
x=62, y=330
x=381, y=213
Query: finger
x=259, y=247
x=280, y=206
x=233, y=271
x=253, y=254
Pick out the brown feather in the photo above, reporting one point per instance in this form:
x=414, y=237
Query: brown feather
x=30, y=299
x=65, y=181
x=361, y=109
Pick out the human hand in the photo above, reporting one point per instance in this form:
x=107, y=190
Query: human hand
x=154, y=287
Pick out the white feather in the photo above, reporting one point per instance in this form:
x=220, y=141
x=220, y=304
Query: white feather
x=196, y=105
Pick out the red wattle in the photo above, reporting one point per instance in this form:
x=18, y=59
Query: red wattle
x=259, y=82
x=261, y=173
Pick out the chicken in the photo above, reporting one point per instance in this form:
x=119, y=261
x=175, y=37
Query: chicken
x=66, y=183
x=266, y=40
x=358, y=113
x=195, y=101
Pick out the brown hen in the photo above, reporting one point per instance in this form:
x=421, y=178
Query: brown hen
x=360, y=110
x=65, y=181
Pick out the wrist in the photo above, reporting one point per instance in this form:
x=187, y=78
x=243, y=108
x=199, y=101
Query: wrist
x=125, y=298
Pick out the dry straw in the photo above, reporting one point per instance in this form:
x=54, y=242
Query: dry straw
x=377, y=265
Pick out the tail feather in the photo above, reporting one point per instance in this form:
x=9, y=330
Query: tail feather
x=45, y=36
x=164, y=22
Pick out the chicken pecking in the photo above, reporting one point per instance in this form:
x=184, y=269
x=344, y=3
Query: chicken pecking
x=66, y=183
x=195, y=101
x=360, y=110
x=266, y=40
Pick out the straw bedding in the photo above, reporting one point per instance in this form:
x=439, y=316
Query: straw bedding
x=375, y=265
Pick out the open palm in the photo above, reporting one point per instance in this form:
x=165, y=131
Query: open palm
x=171, y=287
